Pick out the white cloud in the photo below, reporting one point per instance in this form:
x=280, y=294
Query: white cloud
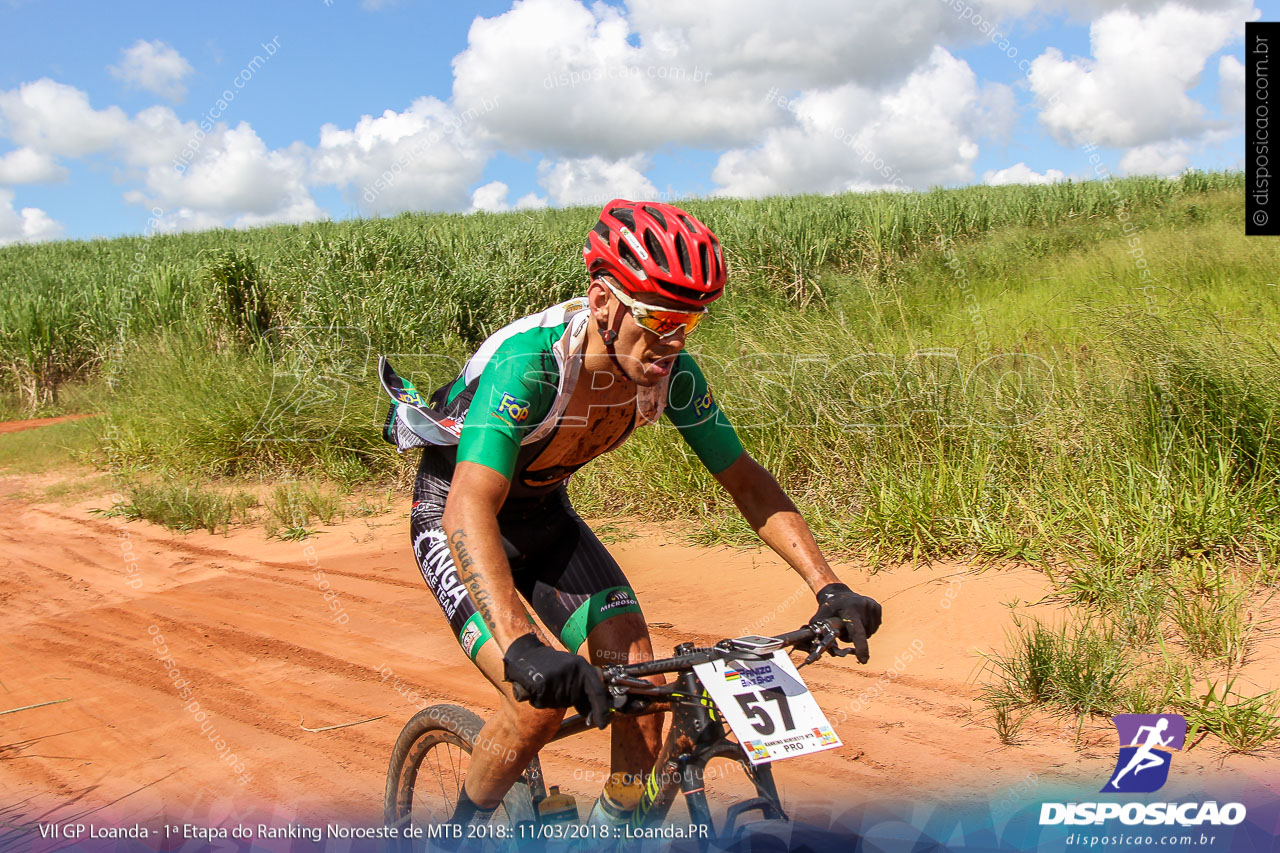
x=577, y=81
x=1135, y=89
x=233, y=179
x=155, y=67
x=491, y=197
x=801, y=45
x=595, y=180
x=1166, y=159
x=531, y=201
x=29, y=225
x=236, y=180
x=1021, y=173
x=421, y=159
x=54, y=118
x=28, y=166
x=922, y=133
x=1231, y=85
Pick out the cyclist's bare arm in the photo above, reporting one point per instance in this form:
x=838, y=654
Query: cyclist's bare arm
x=470, y=520
x=775, y=519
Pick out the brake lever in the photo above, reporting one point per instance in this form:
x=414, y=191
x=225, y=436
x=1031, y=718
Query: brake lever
x=829, y=644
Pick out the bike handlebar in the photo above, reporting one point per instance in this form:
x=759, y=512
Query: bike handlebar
x=630, y=676
x=621, y=674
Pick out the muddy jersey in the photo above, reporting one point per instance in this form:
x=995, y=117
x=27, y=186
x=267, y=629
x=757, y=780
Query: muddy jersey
x=508, y=405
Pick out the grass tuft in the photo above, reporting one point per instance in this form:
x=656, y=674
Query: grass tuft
x=182, y=507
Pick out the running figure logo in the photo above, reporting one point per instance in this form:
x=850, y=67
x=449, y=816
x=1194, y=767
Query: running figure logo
x=1147, y=742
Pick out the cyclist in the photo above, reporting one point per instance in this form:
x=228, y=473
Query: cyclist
x=491, y=521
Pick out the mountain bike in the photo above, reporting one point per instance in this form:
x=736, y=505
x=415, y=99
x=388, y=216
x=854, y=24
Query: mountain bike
x=767, y=709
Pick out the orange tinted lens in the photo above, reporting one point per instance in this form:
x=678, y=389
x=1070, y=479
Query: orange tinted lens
x=663, y=323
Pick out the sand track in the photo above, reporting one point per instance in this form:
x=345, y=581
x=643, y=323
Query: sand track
x=246, y=623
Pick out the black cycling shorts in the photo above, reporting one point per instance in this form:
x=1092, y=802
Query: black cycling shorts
x=557, y=563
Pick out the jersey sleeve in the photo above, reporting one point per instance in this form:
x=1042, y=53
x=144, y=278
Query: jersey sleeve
x=693, y=411
x=514, y=393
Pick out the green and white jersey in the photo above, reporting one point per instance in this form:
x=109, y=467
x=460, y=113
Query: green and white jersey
x=507, y=406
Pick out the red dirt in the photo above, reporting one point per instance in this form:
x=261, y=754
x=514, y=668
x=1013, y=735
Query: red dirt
x=19, y=426
x=247, y=625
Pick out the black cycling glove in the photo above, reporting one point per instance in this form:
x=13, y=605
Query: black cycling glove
x=550, y=678
x=858, y=615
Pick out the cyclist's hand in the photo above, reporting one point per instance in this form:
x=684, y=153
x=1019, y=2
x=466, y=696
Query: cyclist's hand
x=551, y=678
x=858, y=615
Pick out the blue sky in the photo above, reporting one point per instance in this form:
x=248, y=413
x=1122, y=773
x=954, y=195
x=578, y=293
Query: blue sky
x=368, y=109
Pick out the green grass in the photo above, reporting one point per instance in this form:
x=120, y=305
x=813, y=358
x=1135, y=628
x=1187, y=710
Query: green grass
x=1243, y=724
x=991, y=373
x=182, y=507
x=292, y=506
x=1090, y=666
x=1078, y=667
x=32, y=451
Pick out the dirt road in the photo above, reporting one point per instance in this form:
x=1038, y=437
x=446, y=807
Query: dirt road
x=261, y=650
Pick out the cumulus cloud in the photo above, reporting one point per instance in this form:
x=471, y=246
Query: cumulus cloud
x=28, y=166
x=531, y=201
x=595, y=180
x=1231, y=85
x=233, y=179
x=424, y=158
x=921, y=133
x=28, y=225
x=54, y=118
x=236, y=180
x=575, y=80
x=1166, y=159
x=155, y=67
x=1135, y=89
x=1021, y=173
x=491, y=197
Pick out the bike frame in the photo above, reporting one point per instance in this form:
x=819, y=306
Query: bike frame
x=695, y=736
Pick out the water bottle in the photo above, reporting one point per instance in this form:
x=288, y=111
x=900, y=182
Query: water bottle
x=557, y=807
x=617, y=801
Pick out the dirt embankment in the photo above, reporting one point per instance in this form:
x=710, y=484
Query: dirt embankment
x=260, y=649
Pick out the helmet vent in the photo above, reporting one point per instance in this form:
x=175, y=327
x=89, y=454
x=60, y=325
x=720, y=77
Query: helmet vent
x=626, y=217
x=682, y=249
x=688, y=293
x=628, y=256
x=706, y=263
x=656, y=214
x=655, y=249
x=688, y=223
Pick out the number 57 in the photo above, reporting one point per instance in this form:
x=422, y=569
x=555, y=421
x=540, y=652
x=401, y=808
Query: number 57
x=753, y=706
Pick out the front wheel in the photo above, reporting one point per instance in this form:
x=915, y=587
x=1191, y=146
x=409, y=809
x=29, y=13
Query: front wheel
x=429, y=763
x=728, y=794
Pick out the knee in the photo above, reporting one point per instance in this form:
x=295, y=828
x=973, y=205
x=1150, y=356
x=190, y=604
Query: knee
x=534, y=725
x=622, y=639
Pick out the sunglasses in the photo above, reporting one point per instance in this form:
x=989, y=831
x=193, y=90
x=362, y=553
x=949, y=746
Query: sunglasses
x=663, y=322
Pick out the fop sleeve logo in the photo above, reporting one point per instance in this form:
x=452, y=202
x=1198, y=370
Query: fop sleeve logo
x=1147, y=744
x=512, y=410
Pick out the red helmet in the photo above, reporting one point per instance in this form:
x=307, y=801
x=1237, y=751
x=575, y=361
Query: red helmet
x=651, y=247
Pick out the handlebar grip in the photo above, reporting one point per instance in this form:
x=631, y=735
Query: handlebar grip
x=520, y=692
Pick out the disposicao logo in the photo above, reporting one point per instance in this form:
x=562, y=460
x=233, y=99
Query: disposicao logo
x=1147, y=744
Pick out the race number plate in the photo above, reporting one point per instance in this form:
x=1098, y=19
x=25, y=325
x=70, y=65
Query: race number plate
x=768, y=707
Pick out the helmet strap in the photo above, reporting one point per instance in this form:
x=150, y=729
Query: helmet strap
x=607, y=335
